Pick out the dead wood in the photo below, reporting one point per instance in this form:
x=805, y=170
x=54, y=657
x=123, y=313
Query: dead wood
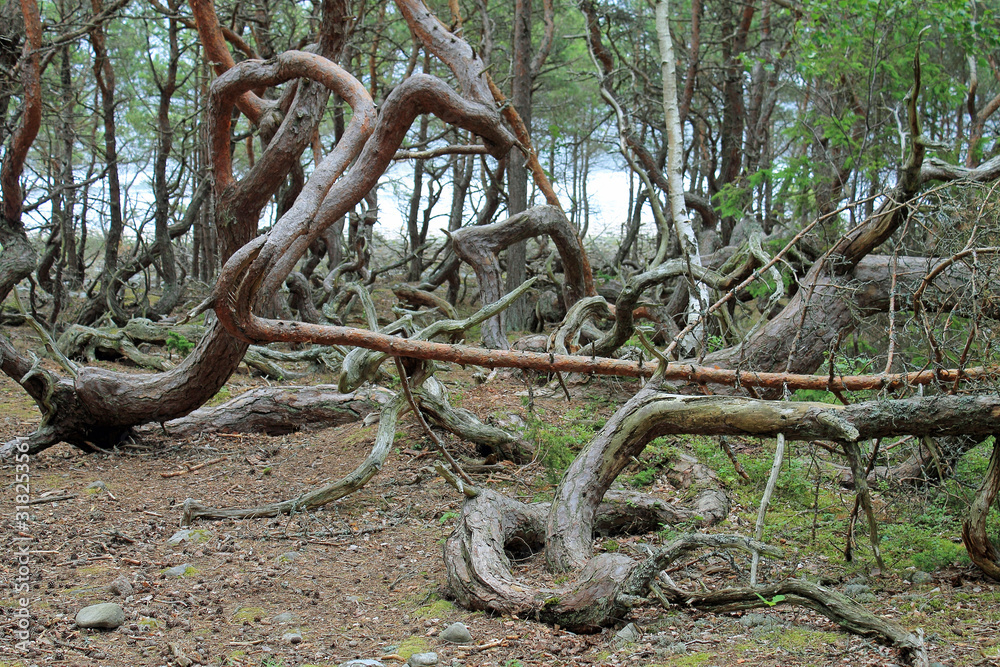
x=417, y=297
x=837, y=607
x=433, y=399
x=277, y=411
x=982, y=551
x=327, y=493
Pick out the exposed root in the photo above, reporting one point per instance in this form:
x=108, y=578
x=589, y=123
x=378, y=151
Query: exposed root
x=609, y=585
x=325, y=494
x=279, y=410
x=837, y=607
x=433, y=399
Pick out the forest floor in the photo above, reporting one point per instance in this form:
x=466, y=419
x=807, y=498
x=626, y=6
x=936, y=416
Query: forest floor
x=364, y=578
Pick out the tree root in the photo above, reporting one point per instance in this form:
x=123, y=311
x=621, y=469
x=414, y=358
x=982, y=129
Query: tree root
x=317, y=497
x=609, y=585
x=279, y=410
x=433, y=399
x=837, y=607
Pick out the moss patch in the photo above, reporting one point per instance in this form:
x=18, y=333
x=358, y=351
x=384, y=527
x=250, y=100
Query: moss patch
x=689, y=660
x=796, y=639
x=435, y=609
x=413, y=645
x=149, y=624
x=250, y=614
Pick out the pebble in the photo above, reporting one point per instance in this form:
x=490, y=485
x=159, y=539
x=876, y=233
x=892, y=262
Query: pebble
x=920, y=578
x=120, y=586
x=292, y=637
x=284, y=618
x=177, y=570
x=628, y=634
x=362, y=662
x=192, y=536
x=457, y=633
x=288, y=557
x=423, y=659
x=97, y=486
x=106, y=615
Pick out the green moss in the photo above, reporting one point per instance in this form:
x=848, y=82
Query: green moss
x=236, y=657
x=797, y=639
x=436, y=609
x=220, y=397
x=198, y=536
x=248, y=614
x=413, y=645
x=149, y=624
x=906, y=545
x=688, y=660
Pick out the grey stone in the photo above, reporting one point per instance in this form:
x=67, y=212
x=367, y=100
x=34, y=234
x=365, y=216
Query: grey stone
x=628, y=634
x=362, y=662
x=285, y=618
x=423, y=659
x=755, y=620
x=189, y=535
x=120, y=586
x=457, y=633
x=920, y=578
x=177, y=570
x=292, y=637
x=288, y=557
x=97, y=487
x=106, y=615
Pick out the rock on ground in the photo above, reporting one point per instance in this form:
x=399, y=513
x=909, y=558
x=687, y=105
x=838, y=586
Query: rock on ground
x=106, y=616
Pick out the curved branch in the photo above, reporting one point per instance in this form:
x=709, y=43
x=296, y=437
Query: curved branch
x=17, y=259
x=480, y=246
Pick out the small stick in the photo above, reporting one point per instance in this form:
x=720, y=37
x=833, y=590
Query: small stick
x=191, y=468
x=724, y=443
x=423, y=423
x=566, y=391
x=50, y=499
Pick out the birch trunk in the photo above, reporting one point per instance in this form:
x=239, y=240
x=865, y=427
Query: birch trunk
x=699, y=295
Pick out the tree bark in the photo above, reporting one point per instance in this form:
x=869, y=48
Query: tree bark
x=278, y=411
x=982, y=551
x=480, y=246
x=17, y=259
x=516, y=317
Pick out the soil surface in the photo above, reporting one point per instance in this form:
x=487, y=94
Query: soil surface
x=363, y=577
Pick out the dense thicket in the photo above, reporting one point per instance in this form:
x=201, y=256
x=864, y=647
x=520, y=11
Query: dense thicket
x=814, y=193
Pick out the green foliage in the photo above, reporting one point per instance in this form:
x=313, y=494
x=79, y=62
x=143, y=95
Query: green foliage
x=654, y=458
x=926, y=549
x=773, y=601
x=559, y=443
x=178, y=343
